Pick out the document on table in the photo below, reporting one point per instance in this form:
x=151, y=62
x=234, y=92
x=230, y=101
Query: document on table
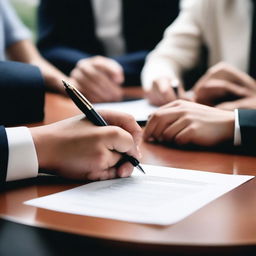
x=139, y=109
x=163, y=196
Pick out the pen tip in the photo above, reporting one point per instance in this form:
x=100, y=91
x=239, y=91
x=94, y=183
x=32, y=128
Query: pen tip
x=140, y=168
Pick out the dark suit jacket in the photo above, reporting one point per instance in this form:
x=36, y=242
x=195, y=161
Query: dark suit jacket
x=247, y=122
x=21, y=101
x=67, y=32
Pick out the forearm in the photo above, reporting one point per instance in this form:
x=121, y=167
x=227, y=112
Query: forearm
x=25, y=51
x=63, y=57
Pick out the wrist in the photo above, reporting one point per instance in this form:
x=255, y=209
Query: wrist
x=229, y=126
x=54, y=84
x=42, y=147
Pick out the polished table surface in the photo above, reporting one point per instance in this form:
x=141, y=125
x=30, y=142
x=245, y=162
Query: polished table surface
x=229, y=221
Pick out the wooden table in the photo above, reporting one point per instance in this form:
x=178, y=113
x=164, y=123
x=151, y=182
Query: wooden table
x=226, y=224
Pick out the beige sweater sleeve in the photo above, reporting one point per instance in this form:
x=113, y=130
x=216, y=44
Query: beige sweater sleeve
x=179, y=48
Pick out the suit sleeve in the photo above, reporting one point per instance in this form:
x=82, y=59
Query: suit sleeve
x=132, y=64
x=22, y=93
x=3, y=155
x=58, y=32
x=63, y=57
x=247, y=122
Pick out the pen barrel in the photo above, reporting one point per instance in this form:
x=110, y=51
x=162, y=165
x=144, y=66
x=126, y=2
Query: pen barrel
x=90, y=113
x=94, y=117
x=130, y=159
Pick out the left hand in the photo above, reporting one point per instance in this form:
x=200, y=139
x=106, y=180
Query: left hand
x=161, y=92
x=185, y=122
x=221, y=82
x=247, y=103
x=99, y=78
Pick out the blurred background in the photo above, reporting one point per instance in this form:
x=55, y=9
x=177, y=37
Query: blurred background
x=26, y=9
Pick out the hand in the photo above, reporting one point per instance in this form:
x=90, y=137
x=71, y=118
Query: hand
x=223, y=82
x=162, y=91
x=247, y=103
x=99, y=78
x=76, y=149
x=186, y=122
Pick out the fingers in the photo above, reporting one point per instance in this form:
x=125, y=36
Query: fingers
x=125, y=121
x=110, y=68
x=247, y=102
x=109, y=89
x=234, y=89
x=123, y=137
x=230, y=73
x=125, y=170
x=96, y=80
x=162, y=119
x=157, y=123
x=216, y=89
x=184, y=136
x=110, y=173
x=91, y=90
x=120, y=140
x=161, y=92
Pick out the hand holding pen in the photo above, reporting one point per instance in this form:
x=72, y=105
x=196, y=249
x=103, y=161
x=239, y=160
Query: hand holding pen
x=86, y=107
x=163, y=91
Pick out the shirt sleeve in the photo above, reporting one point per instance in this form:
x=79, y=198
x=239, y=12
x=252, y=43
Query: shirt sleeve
x=14, y=30
x=237, y=132
x=22, y=160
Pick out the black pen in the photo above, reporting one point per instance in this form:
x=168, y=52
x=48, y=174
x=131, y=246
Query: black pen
x=86, y=107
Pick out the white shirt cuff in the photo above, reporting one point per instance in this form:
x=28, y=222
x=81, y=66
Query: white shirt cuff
x=237, y=132
x=22, y=161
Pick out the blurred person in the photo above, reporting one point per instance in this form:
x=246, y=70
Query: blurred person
x=218, y=26
x=102, y=43
x=16, y=45
x=61, y=147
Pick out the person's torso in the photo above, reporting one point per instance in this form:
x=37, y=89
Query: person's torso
x=142, y=23
x=226, y=26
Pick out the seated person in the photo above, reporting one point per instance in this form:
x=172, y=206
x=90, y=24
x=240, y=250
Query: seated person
x=73, y=148
x=99, y=43
x=216, y=25
x=189, y=123
x=61, y=147
x=15, y=45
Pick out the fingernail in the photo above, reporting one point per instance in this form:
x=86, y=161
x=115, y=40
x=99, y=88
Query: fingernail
x=150, y=139
x=123, y=174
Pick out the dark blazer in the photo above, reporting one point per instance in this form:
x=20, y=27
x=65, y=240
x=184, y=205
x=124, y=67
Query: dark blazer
x=21, y=101
x=247, y=122
x=67, y=32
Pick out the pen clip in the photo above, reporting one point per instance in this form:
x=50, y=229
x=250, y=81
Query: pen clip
x=78, y=94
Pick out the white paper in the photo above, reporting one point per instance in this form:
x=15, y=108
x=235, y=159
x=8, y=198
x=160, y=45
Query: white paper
x=163, y=196
x=139, y=109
